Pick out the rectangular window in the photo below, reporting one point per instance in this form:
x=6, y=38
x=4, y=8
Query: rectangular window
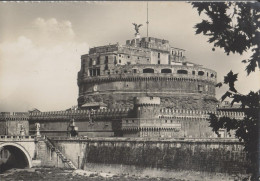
x=98, y=60
x=90, y=62
x=106, y=60
x=159, y=55
x=94, y=72
x=98, y=72
x=83, y=67
x=159, y=62
x=119, y=61
x=90, y=72
x=134, y=70
x=193, y=72
x=200, y=88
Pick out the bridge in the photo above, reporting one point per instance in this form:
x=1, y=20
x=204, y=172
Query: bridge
x=29, y=151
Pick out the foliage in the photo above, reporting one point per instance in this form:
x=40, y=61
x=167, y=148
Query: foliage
x=247, y=128
x=234, y=26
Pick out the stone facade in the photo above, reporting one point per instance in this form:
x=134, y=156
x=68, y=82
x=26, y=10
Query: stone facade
x=115, y=74
x=145, y=88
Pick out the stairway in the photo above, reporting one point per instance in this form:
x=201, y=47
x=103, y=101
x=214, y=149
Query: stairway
x=62, y=157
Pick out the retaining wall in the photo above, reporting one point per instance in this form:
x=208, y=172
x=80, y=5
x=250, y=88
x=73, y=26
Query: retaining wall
x=205, y=155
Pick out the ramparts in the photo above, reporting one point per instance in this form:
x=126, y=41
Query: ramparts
x=203, y=155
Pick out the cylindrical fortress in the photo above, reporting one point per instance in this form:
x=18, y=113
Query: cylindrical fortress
x=115, y=75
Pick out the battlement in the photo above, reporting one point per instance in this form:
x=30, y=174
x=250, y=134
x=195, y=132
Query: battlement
x=79, y=114
x=14, y=115
x=147, y=101
x=104, y=49
x=182, y=113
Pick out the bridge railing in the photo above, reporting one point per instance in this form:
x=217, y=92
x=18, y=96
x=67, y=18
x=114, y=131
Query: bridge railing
x=16, y=137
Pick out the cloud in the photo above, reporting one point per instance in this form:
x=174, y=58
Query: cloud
x=41, y=72
x=51, y=31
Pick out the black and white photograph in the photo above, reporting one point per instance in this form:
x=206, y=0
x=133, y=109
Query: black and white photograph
x=129, y=90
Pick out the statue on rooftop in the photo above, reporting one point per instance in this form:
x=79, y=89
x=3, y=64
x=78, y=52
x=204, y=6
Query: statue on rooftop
x=137, y=27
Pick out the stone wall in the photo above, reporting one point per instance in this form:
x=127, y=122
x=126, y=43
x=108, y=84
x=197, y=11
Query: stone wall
x=209, y=155
x=12, y=123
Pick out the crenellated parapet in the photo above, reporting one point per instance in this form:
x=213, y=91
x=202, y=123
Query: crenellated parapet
x=14, y=116
x=198, y=114
x=79, y=114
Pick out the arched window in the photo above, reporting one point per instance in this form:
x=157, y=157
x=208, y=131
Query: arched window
x=182, y=72
x=166, y=71
x=148, y=70
x=201, y=73
x=212, y=75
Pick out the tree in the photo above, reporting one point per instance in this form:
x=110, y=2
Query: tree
x=234, y=26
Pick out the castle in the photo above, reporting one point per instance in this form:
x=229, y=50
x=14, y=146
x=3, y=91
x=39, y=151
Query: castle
x=145, y=88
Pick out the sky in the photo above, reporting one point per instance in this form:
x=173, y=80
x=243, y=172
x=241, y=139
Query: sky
x=41, y=44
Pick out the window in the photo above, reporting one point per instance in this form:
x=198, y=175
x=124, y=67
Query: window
x=106, y=67
x=90, y=62
x=212, y=75
x=182, y=72
x=165, y=121
x=98, y=60
x=119, y=55
x=119, y=61
x=207, y=74
x=126, y=121
x=106, y=60
x=115, y=61
x=159, y=62
x=98, y=72
x=83, y=67
x=193, y=72
x=133, y=121
x=148, y=70
x=94, y=72
x=134, y=71
x=200, y=73
x=125, y=71
x=90, y=72
x=166, y=71
x=200, y=88
x=159, y=55
x=128, y=56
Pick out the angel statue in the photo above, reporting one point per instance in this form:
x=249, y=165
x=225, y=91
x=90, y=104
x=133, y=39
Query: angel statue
x=137, y=27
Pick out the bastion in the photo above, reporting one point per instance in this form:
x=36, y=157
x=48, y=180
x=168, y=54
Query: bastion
x=114, y=75
x=145, y=88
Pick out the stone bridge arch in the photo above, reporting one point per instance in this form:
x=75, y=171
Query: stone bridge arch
x=19, y=157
